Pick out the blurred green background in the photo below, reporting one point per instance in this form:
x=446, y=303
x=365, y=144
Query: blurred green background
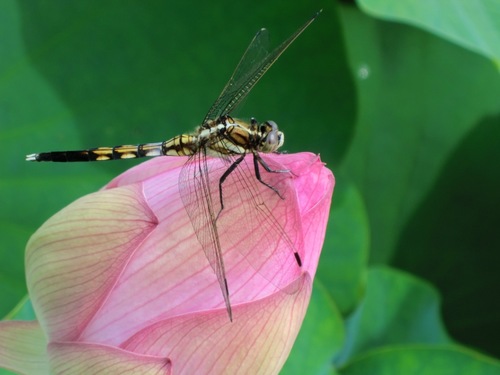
x=400, y=98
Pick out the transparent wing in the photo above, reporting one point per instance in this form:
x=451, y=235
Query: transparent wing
x=198, y=198
x=253, y=65
x=271, y=233
x=255, y=221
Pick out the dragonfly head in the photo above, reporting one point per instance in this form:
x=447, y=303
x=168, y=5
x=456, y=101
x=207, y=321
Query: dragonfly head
x=271, y=138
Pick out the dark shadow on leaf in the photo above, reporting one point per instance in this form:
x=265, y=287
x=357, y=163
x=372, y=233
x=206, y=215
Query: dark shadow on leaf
x=453, y=238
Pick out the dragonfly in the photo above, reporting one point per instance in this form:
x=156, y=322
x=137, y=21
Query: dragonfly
x=226, y=138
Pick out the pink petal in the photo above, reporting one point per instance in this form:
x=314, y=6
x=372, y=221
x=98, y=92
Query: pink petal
x=74, y=259
x=258, y=341
x=116, y=263
x=22, y=347
x=172, y=249
x=82, y=358
x=314, y=185
x=147, y=170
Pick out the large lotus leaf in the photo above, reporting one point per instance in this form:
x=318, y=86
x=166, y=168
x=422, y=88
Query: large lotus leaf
x=471, y=24
x=320, y=338
x=452, y=239
x=397, y=309
x=423, y=360
x=424, y=158
x=419, y=96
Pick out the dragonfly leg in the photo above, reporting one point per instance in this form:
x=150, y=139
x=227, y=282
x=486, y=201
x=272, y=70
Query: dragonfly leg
x=258, y=160
x=231, y=168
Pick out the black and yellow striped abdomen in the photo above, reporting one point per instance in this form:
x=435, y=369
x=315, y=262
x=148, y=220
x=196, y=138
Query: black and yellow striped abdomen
x=182, y=145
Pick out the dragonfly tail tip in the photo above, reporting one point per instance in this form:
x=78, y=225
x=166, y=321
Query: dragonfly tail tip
x=31, y=157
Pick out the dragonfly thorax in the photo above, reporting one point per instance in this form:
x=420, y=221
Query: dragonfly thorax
x=230, y=136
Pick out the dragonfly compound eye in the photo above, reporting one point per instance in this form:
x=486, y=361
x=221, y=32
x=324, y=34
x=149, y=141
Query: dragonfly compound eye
x=272, y=141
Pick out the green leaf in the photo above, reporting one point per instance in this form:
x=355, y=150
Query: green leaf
x=397, y=309
x=419, y=96
x=424, y=158
x=320, y=337
x=474, y=25
x=423, y=360
x=6, y=372
x=342, y=267
x=456, y=231
x=23, y=311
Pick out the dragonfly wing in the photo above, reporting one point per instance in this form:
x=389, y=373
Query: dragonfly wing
x=260, y=224
x=256, y=52
x=255, y=221
x=198, y=199
x=253, y=65
x=273, y=234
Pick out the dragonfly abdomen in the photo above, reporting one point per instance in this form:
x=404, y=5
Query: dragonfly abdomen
x=182, y=145
x=99, y=153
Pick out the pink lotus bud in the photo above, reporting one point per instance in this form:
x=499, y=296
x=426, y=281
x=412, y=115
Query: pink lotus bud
x=120, y=282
